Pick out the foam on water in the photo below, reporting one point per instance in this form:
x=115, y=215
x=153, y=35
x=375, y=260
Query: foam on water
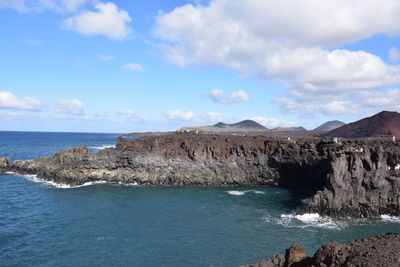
x=236, y=193
x=310, y=220
x=35, y=179
x=101, y=147
x=243, y=192
x=389, y=218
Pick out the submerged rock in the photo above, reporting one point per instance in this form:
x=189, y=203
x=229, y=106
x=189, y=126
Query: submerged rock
x=356, y=178
x=367, y=252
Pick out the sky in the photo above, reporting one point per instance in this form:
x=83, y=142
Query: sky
x=158, y=65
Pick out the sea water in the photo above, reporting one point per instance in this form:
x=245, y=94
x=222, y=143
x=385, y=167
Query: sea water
x=46, y=224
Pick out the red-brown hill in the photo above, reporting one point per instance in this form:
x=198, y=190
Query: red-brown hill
x=383, y=124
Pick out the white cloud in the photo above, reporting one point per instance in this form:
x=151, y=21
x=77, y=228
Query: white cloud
x=74, y=5
x=128, y=113
x=42, y=5
x=180, y=115
x=394, y=54
x=289, y=42
x=304, y=22
x=273, y=123
x=103, y=57
x=10, y=101
x=28, y=5
x=70, y=106
x=107, y=20
x=132, y=67
x=359, y=102
x=212, y=117
x=218, y=96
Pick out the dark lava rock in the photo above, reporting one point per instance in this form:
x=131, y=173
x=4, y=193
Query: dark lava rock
x=351, y=178
x=374, y=251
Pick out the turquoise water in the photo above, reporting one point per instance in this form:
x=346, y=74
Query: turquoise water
x=109, y=225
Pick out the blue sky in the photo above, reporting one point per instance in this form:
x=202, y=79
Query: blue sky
x=124, y=66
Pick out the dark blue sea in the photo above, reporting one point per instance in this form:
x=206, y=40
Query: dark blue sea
x=110, y=225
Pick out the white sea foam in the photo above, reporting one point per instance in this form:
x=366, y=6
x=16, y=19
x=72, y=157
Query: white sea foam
x=101, y=147
x=241, y=193
x=390, y=218
x=128, y=184
x=35, y=179
x=310, y=220
x=236, y=193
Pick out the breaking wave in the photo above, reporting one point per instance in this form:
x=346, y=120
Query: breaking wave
x=308, y=220
x=101, y=147
x=390, y=218
x=243, y=192
x=35, y=179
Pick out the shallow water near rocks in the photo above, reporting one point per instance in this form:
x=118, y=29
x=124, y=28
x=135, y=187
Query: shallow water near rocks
x=119, y=225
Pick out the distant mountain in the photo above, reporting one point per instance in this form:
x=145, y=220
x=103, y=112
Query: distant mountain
x=329, y=126
x=242, y=126
x=246, y=124
x=289, y=129
x=383, y=124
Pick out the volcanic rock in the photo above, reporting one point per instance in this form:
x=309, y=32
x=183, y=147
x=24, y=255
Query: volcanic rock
x=351, y=178
x=374, y=251
x=383, y=124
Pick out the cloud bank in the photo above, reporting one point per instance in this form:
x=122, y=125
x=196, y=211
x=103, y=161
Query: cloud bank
x=219, y=96
x=9, y=101
x=290, y=42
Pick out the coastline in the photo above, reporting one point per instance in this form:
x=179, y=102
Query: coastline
x=329, y=169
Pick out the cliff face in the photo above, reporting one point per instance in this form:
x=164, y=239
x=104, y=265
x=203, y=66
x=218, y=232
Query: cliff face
x=350, y=179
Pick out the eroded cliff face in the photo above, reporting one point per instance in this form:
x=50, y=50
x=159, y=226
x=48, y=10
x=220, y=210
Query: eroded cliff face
x=353, y=178
x=362, y=183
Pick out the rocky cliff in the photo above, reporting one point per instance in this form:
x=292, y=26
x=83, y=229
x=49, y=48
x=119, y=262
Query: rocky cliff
x=367, y=252
x=351, y=178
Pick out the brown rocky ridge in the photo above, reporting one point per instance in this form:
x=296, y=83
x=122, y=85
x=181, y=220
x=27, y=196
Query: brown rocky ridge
x=382, y=250
x=383, y=124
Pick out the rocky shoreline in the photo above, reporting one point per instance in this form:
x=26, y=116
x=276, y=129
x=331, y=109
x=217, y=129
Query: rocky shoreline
x=351, y=178
x=374, y=251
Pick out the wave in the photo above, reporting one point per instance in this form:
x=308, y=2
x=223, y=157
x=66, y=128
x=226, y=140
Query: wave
x=35, y=179
x=236, y=193
x=390, y=218
x=243, y=192
x=310, y=220
x=101, y=147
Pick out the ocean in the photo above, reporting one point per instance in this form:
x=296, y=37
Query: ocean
x=44, y=224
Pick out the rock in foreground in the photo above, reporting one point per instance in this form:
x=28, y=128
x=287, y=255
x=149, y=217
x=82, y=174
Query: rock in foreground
x=374, y=251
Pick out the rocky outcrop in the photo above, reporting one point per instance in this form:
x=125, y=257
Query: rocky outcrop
x=351, y=178
x=367, y=252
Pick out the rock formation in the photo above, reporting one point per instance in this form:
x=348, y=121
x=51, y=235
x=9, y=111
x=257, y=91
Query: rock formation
x=351, y=178
x=367, y=252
